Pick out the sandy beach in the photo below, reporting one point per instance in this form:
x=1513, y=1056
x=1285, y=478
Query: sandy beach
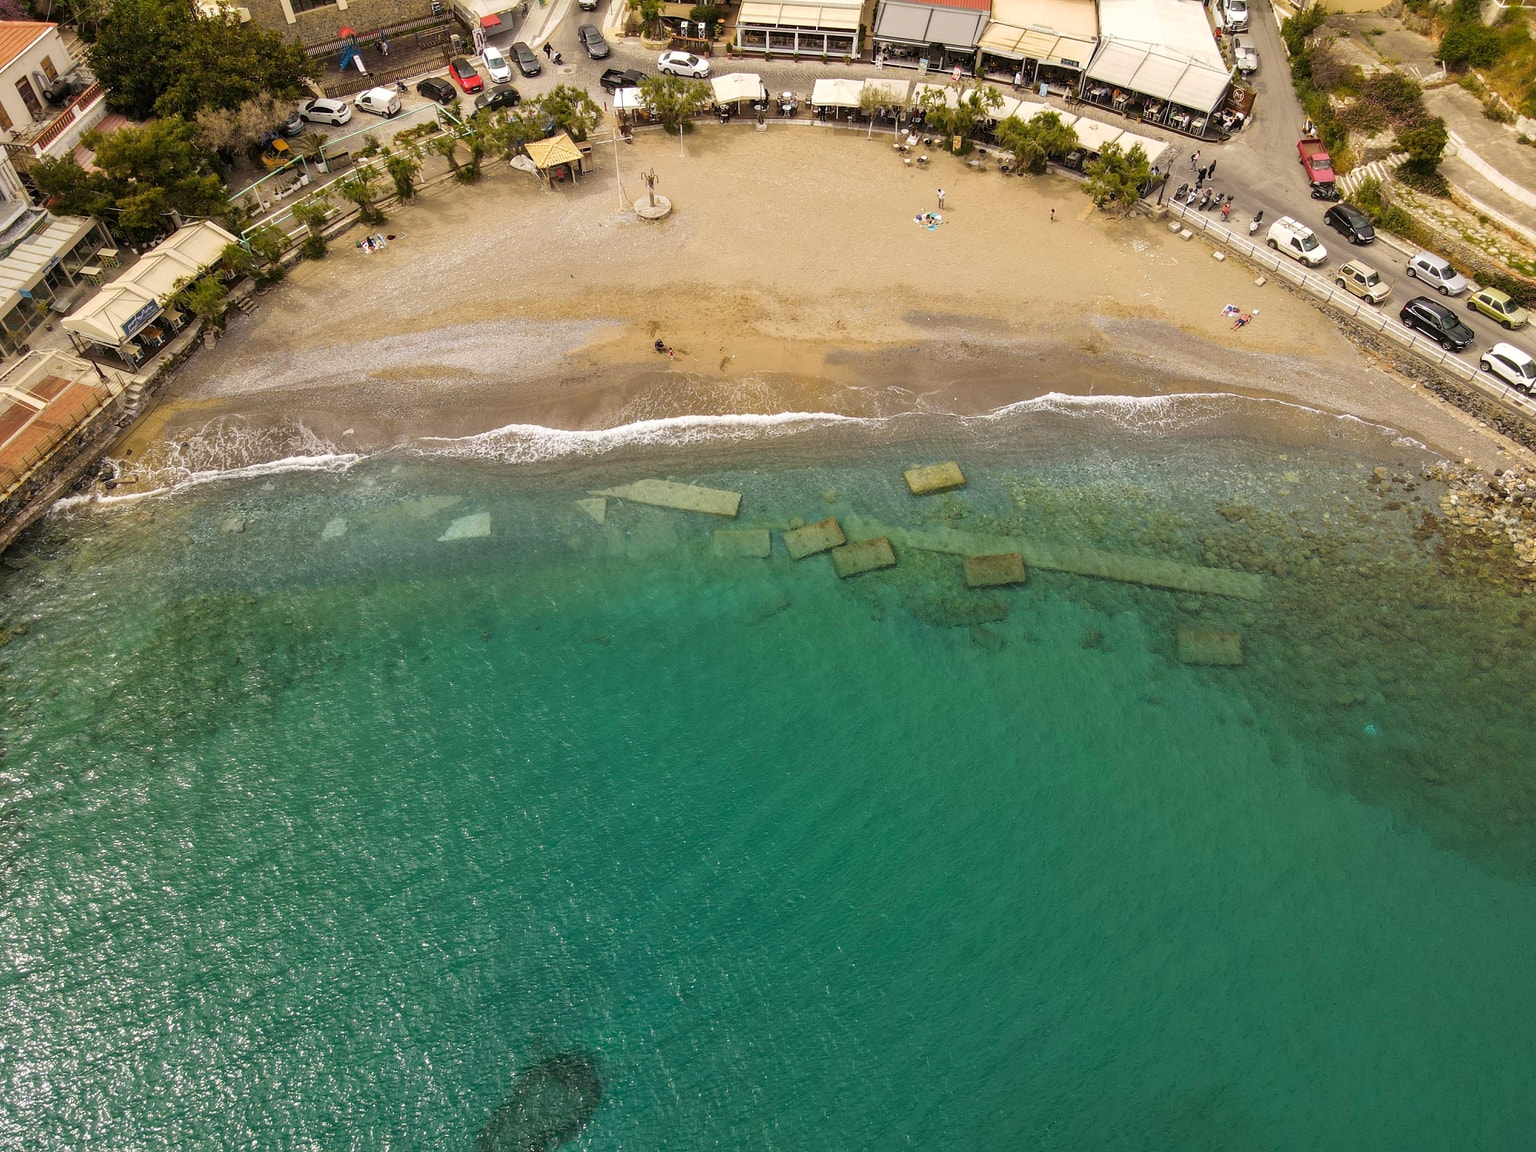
x=790, y=277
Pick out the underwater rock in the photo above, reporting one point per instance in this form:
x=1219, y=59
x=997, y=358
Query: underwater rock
x=931, y=478
x=1216, y=649
x=822, y=536
x=984, y=637
x=743, y=543
x=764, y=609
x=551, y=1102
x=863, y=556
x=994, y=571
x=960, y=612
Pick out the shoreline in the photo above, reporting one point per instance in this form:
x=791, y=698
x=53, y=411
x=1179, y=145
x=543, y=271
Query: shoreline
x=854, y=311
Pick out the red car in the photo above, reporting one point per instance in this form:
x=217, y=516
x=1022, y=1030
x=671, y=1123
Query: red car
x=464, y=74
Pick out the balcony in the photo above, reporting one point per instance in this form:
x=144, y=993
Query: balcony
x=58, y=135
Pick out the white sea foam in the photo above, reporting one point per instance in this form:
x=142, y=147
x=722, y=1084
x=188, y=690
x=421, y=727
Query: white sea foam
x=329, y=462
x=534, y=443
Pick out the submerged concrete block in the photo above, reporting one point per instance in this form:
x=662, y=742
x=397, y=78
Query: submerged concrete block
x=1223, y=649
x=333, y=529
x=471, y=527
x=743, y=542
x=821, y=536
x=595, y=507
x=934, y=478
x=863, y=556
x=991, y=571
x=683, y=497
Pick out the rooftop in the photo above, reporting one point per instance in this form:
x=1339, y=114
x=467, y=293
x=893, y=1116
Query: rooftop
x=16, y=36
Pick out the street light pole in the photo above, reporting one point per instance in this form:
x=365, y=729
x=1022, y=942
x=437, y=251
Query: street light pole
x=617, y=183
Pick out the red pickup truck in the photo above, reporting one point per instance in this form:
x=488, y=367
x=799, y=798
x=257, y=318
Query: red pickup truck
x=1315, y=159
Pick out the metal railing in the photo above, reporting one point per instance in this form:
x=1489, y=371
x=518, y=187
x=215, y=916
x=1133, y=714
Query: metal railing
x=1366, y=315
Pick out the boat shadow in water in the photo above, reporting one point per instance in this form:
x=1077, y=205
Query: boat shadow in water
x=551, y=1102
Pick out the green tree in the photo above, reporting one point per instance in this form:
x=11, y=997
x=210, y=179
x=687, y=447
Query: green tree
x=403, y=168
x=230, y=131
x=447, y=146
x=710, y=14
x=132, y=53
x=206, y=298
x=571, y=110
x=1425, y=145
x=313, y=214
x=961, y=118
x=362, y=188
x=1036, y=141
x=649, y=12
x=675, y=98
x=1470, y=43
x=1117, y=177
x=68, y=189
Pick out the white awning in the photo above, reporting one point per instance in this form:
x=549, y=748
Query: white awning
x=35, y=256
x=131, y=301
x=1176, y=28
x=893, y=92
x=627, y=100
x=909, y=22
x=837, y=93
x=1153, y=70
x=821, y=17
x=1153, y=148
x=1094, y=134
x=738, y=86
x=1061, y=32
x=950, y=93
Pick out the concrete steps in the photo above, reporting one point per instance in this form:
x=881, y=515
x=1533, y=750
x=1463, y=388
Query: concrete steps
x=1380, y=169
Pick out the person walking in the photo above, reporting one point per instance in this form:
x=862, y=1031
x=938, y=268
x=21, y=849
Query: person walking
x=1210, y=169
x=1194, y=160
x=941, y=199
x=1053, y=215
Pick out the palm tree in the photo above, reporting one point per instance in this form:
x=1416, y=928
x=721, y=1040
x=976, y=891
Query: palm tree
x=361, y=188
x=403, y=168
x=447, y=146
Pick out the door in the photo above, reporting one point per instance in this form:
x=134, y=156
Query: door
x=29, y=98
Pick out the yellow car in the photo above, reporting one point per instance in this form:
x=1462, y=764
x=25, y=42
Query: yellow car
x=277, y=154
x=1497, y=305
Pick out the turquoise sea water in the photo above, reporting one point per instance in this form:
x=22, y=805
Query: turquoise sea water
x=314, y=840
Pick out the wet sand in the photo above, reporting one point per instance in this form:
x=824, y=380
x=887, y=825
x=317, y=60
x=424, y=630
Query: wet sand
x=790, y=277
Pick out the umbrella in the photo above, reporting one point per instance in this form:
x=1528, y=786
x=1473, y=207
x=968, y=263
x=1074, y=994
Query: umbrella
x=346, y=33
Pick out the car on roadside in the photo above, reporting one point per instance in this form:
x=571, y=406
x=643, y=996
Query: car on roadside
x=1245, y=54
x=1363, y=281
x=380, y=101
x=615, y=78
x=1297, y=241
x=1436, y=271
x=496, y=66
x=1498, y=306
x=436, y=89
x=592, y=40
x=293, y=126
x=1510, y=364
x=587, y=5
x=1234, y=14
x=465, y=76
x=326, y=111
x=1438, y=322
x=506, y=97
x=1350, y=223
x=527, y=63
x=683, y=64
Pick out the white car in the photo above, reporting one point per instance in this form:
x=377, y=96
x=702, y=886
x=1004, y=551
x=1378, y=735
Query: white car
x=1245, y=55
x=496, y=65
x=326, y=111
x=1234, y=14
x=683, y=64
x=1511, y=365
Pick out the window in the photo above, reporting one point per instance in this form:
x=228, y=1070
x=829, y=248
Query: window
x=49, y=70
x=5, y=119
x=310, y=5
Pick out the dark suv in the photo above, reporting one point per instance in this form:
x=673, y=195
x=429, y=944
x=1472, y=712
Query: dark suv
x=1351, y=223
x=527, y=62
x=1437, y=322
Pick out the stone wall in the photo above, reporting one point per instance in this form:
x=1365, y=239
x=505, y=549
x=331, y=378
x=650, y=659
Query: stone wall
x=319, y=26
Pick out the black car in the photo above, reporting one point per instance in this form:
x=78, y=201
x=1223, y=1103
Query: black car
x=438, y=89
x=616, y=78
x=1351, y=223
x=592, y=40
x=527, y=62
x=1437, y=322
x=504, y=97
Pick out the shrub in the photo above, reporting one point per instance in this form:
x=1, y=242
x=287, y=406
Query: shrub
x=1470, y=43
x=313, y=247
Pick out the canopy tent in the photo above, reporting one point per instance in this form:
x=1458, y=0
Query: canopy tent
x=950, y=93
x=1059, y=32
x=842, y=17
x=628, y=100
x=553, y=152
x=490, y=20
x=895, y=93
x=1028, y=109
x=837, y=93
x=953, y=23
x=123, y=308
x=738, y=86
x=1094, y=134
x=1177, y=26
x=1156, y=71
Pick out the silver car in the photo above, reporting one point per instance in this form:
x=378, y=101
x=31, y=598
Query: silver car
x=1437, y=272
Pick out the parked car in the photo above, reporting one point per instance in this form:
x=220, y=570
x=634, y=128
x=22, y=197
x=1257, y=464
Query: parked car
x=379, y=101
x=1364, y=281
x=496, y=66
x=293, y=126
x=1351, y=223
x=507, y=97
x=1511, y=365
x=587, y=5
x=1498, y=306
x=464, y=75
x=683, y=64
x=1438, y=273
x=615, y=78
x=1319, y=167
x=1437, y=322
x=326, y=111
x=1234, y=14
x=1297, y=241
x=276, y=154
x=527, y=62
x=438, y=89
x=592, y=40
x=1245, y=54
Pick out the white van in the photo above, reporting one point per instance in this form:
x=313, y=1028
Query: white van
x=1297, y=241
x=379, y=101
